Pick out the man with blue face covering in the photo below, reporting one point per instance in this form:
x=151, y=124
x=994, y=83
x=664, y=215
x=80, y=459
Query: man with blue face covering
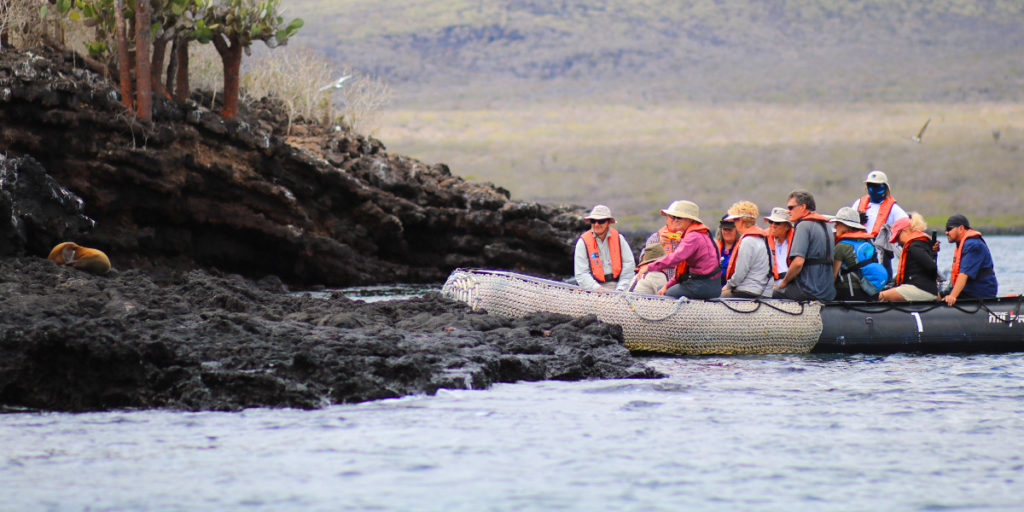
x=882, y=211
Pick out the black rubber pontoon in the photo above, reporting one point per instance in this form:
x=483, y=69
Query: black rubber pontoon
x=990, y=325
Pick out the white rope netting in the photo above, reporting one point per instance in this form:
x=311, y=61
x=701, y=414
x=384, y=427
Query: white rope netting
x=650, y=323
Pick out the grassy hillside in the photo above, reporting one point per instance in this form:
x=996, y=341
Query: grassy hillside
x=464, y=52
x=639, y=102
x=637, y=160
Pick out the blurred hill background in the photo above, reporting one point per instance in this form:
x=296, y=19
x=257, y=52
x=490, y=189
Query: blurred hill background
x=637, y=103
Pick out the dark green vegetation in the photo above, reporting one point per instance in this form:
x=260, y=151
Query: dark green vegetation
x=133, y=38
x=464, y=52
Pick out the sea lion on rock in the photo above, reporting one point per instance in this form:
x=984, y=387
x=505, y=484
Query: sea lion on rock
x=82, y=258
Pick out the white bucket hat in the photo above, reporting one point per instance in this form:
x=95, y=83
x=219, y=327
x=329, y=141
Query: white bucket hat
x=877, y=176
x=600, y=212
x=779, y=214
x=683, y=209
x=848, y=216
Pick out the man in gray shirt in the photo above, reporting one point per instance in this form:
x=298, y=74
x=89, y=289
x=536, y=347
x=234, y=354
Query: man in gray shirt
x=810, y=268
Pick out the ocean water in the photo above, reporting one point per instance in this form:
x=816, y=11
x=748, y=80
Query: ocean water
x=783, y=432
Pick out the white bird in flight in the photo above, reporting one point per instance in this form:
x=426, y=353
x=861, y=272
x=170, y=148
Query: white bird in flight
x=338, y=84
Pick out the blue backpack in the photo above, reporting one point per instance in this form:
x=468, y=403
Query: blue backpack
x=872, y=274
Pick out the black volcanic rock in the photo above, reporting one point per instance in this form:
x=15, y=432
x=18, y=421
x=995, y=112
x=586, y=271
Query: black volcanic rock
x=73, y=341
x=193, y=189
x=35, y=208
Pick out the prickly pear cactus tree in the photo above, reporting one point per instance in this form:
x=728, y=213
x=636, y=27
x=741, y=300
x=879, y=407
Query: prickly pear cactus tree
x=233, y=26
x=168, y=20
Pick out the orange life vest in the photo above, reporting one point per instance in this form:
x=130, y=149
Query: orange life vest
x=901, y=271
x=668, y=240
x=855, y=235
x=594, y=254
x=789, y=245
x=755, y=232
x=884, y=209
x=721, y=246
x=682, y=272
x=820, y=219
x=969, y=233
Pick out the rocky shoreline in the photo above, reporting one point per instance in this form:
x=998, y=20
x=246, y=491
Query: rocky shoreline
x=72, y=341
x=195, y=211
x=253, y=195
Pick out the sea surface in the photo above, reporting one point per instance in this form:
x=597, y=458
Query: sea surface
x=782, y=432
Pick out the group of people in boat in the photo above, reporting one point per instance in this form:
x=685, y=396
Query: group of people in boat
x=802, y=255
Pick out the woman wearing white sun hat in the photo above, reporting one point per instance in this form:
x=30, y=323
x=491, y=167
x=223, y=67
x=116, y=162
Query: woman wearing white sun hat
x=695, y=259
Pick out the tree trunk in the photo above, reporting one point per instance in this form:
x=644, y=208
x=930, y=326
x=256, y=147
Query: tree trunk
x=124, y=61
x=181, y=88
x=4, y=41
x=231, y=56
x=143, y=77
x=172, y=66
x=157, y=67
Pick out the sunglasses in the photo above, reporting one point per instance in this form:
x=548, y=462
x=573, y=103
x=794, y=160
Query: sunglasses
x=602, y=221
x=791, y=206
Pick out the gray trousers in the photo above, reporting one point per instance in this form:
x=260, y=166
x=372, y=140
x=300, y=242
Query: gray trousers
x=696, y=289
x=792, y=292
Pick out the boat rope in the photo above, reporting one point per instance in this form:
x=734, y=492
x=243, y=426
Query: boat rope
x=628, y=297
x=759, y=303
x=730, y=305
x=920, y=307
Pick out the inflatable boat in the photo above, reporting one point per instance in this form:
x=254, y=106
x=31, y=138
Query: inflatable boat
x=665, y=325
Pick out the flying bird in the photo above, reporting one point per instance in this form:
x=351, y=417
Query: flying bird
x=920, y=134
x=338, y=84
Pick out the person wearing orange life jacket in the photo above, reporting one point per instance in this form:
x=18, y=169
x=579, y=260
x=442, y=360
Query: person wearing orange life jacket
x=809, y=276
x=780, y=238
x=725, y=239
x=881, y=211
x=602, y=259
x=858, y=274
x=749, y=273
x=917, y=274
x=695, y=259
x=973, y=274
x=667, y=237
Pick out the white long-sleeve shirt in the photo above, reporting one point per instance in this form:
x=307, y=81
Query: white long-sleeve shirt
x=581, y=264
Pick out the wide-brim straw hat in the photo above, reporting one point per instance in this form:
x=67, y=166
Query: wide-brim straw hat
x=848, y=216
x=683, y=209
x=652, y=252
x=600, y=212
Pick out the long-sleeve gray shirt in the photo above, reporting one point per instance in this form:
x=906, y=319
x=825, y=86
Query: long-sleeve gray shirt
x=752, y=273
